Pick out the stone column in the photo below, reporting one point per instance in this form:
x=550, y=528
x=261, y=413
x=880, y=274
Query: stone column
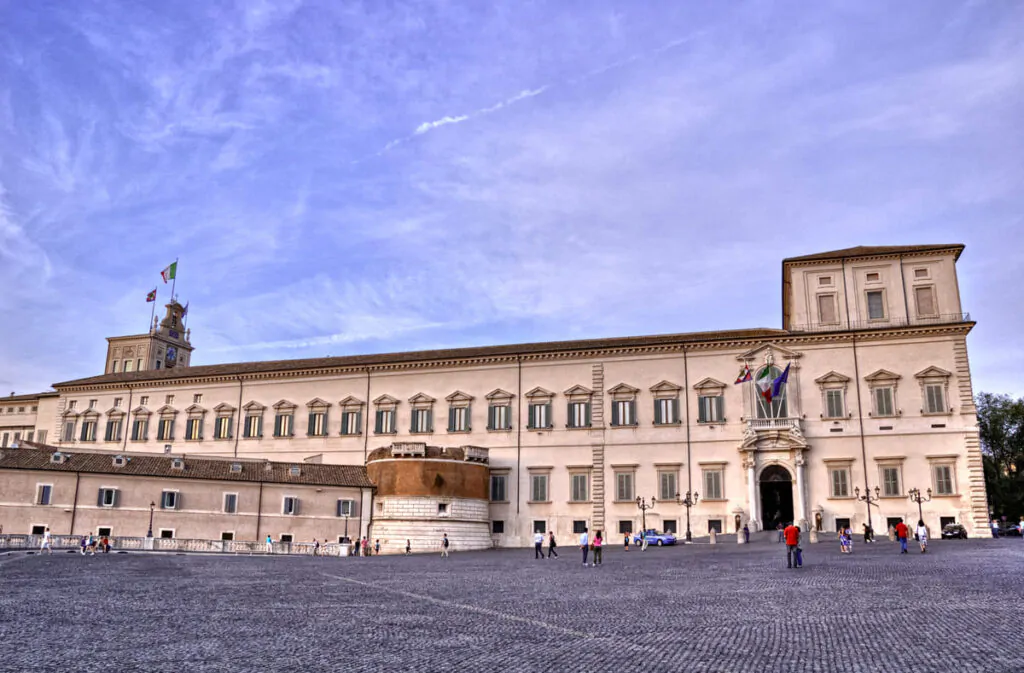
x=801, y=504
x=755, y=519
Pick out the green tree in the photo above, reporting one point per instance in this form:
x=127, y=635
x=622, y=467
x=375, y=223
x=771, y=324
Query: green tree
x=1001, y=426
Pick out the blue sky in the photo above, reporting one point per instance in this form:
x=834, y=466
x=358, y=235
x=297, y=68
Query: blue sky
x=341, y=177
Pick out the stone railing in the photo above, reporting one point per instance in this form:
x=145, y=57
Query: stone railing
x=773, y=423
x=886, y=323
x=180, y=545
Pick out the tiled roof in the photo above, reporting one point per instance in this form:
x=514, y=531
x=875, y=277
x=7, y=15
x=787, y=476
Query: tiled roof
x=33, y=456
x=870, y=250
x=28, y=398
x=274, y=366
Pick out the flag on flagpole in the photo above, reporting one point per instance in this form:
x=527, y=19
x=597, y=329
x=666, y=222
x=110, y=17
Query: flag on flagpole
x=764, y=384
x=151, y=296
x=780, y=381
x=170, y=272
x=745, y=374
x=184, y=311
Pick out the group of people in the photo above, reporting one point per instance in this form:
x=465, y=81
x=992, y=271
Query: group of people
x=902, y=533
x=88, y=544
x=538, y=545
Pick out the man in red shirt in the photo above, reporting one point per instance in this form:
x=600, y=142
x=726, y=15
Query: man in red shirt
x=901, y=535
x=792, y=535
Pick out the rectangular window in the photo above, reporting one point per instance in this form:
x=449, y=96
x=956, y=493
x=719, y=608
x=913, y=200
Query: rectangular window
x=286, y=538
x=713, y=485
x=317, y=426
x=113, y=433
x=88, y=431
x=840, y=483
x=113, y=367
x=883, y=401
x=43, y=493
x=710, y=408
x=253, y=426
x=497, y=527
x=924, y=297
x=129, y=365
x=499, y=492
x=422, y=421
x=873, y=277
x=351, y=422
x=230, y=503
x=539, y=488
x=943, y=479
x=92, y=404
x=227, y=536
x=169, y=399
x=69, y=431
x=891, y=482
x=920, y=273
x=385, y=424
x=117, y=403
x=580, y=488
x=498, y=417
x=623, y=486
x=107, y=497
x=827, y=309
x=625, y=526
x=667, y=489
x=876, y=305
x=144, y=400
x=540, y=526
x=169, y=500
x=458, y=419
x=140, y=428
x=290, y=506
x=579, y=414
x=834, y=407
x=346, y=507
x=197, y=398
x=194, y=428
x=624, y=413
x=540, y=416
x=666, y=412
x=165, y=429
x=283, y=425
x=670, y=526
x=4, y=439
x=824, y=280
x=166, y=533
x=73, y=404
x=41, y=436
x=579, y=527
x=935, y=399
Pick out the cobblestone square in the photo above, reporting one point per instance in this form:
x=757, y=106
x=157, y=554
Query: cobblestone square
x=696, y=608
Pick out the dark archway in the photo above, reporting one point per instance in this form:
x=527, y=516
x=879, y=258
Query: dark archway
x=776, y=497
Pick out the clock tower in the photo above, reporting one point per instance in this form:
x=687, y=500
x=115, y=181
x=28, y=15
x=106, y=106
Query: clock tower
x=167, y=346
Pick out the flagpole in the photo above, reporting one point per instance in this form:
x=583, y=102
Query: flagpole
x=152, y=316
x=174, y=281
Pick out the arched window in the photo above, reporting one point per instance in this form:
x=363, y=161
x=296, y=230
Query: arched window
x=778, y=407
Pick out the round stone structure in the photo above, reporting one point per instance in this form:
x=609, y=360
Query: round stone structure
x=424, y=492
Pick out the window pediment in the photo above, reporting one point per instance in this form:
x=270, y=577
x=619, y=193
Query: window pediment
x=709, y=385
x=499, y=395
x=666, y=388
x=539, y=393
x=386, y=400
x=114, y=412
x=317, y=403
x=90, y=414
x=832, y=380
x=254, y=406
x=578, y=391
x=421, y=400
x=623, y=391
x=933, y=373
x=882, y=377
x=221, y=408
x=196, y=410
x=140, y=411
x=167, y=410
x=758, y=353
x=70, y=413
x=351, y=402
x=284, y=405
x=459, y=396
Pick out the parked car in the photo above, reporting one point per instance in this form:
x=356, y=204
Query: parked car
x=954, y=531
x=1010, y=530
x=655, y=537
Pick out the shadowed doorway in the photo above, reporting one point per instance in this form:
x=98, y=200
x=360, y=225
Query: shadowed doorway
x=776, y=497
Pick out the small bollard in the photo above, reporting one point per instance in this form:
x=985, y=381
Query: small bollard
x=714, y=536
x=740, y=538
x=814, y=536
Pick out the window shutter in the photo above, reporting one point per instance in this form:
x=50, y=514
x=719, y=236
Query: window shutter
x=570, y=421
x=85, y=428
x=378, y=419
x=412, y=423
x=675, y=410
x=338, y=510
x=99, y=498
x=657, y=412
x=310, y=424
x=702, y=416
x=491, y=413
x=117, y=497
x=231, y=429
x=325, y=430
x=277, y=425
x=451, y=419
x=720, y=408
x=170, y=432
x=631, y=405
x=586, y=414
x=295, y=506
x=430, y=420
x=359, y=422
x=615, y=413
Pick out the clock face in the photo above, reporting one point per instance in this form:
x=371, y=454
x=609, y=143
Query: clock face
x=172, y=357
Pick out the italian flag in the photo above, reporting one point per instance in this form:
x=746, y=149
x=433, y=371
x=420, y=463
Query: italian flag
x=764, y=384
x=169, y=273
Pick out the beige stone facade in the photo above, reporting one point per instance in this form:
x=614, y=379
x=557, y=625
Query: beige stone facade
x=879, y=397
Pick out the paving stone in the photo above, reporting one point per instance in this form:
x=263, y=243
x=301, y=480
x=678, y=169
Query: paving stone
x=695, y=608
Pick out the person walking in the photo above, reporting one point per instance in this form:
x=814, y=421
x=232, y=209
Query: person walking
x=995, y=528
x=355, y=547
x=408, y=547
x=376, y=548
x=552, y=545
x=643, y=540
x=316, y=547
x=867, y=533
x=901, y=535
x=922, y=536
x=444, y=546
x=84, y=541
x=842, y=540
x=598, y=542
x=106, y=544
x=584, y=545
x=849, y=540
x=746, y=533
x=792, y=536
x=270, y=545
x=538, y=545
x=366, y=546
x=781, y=530
x=47, y=544
x=625, y=541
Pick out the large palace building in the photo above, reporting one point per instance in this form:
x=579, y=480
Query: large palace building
x=877, y=401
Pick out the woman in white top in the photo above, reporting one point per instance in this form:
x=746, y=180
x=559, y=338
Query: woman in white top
x=922, y=536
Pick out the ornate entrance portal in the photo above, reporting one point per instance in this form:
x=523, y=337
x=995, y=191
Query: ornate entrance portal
x=776, y=497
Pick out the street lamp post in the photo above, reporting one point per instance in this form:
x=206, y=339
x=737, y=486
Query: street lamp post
x=915, y=496
x=346, y=526
x=689, y=501
x=868, y=499
x=642, y=504
x=149, y=533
